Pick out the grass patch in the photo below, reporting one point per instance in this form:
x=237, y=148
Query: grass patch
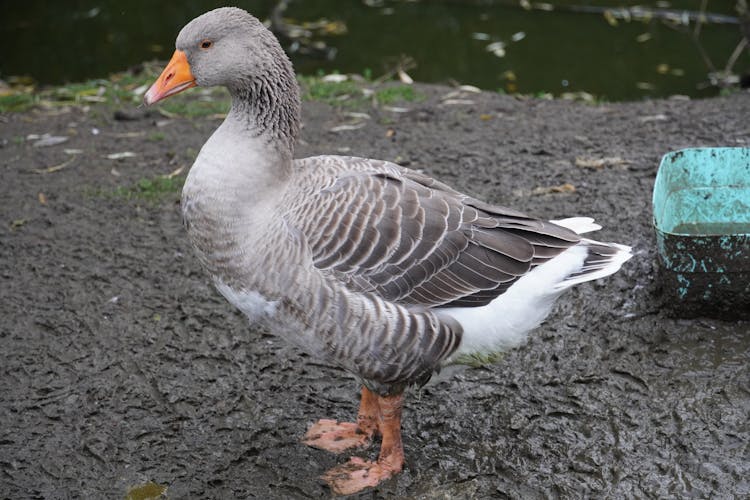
x=197, y=103
x=398, y=93
x=151, y=190
x=117, y=90
x=127, y=88
x=315, y=89
x=351, y=93
x=16, y=102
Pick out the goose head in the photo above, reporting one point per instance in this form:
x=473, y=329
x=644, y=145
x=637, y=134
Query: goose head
x=224, y=47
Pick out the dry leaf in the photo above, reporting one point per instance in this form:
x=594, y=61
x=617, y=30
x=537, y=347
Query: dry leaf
x=50, y=140
x=469, y=88
x=404, y=77
x=453, y=102
x=42, y=198
x=562, y=188
x=175, y=172
x=343, y=128
x=497, y=48
x=643, y=37
x=357, y=116
x=120, y=156
x=610, y=18
x=335, y=78
x=55, y=168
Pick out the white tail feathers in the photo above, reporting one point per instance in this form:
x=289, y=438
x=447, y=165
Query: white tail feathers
x=506, y=321
x=579, y=225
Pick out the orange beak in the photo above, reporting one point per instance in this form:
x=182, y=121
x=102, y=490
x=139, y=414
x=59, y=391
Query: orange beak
x=175, y=78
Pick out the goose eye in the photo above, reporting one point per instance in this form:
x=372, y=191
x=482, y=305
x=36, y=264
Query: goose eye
x=206, y=44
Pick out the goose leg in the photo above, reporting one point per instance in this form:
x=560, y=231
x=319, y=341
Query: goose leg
x=337, y=437
x=358, y=474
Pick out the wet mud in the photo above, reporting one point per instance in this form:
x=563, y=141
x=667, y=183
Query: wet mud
x=122, y=370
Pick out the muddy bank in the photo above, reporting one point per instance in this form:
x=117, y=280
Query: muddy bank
x=121, y=365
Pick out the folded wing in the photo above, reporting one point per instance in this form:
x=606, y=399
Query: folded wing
x=413, y=240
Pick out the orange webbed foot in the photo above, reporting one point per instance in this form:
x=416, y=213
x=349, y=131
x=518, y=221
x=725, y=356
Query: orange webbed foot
x=336, y=437
x=357, y=475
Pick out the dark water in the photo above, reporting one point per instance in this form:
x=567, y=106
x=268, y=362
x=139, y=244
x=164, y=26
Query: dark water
x=559, y=51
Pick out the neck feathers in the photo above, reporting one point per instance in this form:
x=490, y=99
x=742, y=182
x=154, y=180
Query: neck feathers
x=269, y=105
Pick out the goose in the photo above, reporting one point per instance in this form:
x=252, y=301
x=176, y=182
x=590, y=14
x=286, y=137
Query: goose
x=370, y=266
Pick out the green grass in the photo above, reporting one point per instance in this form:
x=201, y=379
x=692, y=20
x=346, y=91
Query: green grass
x=194, y=104
x=398, y=94
x=119, y=89
x=350, y=93
x=315, y=89
x=151, y=190
x=16, y=102
x=115, y=91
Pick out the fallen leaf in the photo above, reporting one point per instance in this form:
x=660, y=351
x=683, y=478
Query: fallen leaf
x=497, y=48
x=47, y=140
x=453, y=102
x=404, y=77
x=15, y=224
x=335, y=78
x=139, y=91
x=469, y=88
x=343, y=128
x=390, y=133
x=562, y=188
x=610, y=18
x=600, y=163
x=120, y=156
x=175, y=172
x=42, y=198
x=358, y=116
x=643, y=37
x=485, y=117
x=54, y=168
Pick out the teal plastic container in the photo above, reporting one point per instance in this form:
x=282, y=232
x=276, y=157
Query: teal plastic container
x=701, y=209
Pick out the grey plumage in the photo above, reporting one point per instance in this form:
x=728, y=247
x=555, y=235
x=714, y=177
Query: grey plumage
x=358, y=261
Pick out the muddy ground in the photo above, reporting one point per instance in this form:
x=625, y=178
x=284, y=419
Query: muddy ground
x=121, y=365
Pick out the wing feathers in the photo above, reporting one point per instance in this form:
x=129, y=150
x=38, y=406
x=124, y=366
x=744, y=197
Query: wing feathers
x=414, y=240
